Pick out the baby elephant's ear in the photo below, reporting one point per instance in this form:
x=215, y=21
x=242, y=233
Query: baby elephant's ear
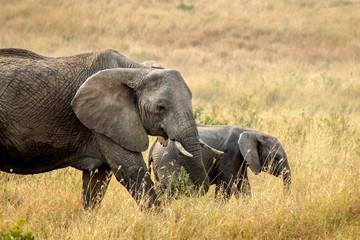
x=105, y=103
x=248, y=143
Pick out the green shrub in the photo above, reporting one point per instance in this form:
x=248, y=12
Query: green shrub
x=178, y=185
x=185, y=7
x=17, y=232
x=212, y=118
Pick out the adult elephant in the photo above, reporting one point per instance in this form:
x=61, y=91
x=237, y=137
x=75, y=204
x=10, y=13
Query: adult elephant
x=93, y=112
x=242, y=148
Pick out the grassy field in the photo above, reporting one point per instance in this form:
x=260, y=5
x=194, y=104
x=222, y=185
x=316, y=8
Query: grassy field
x=288, y=68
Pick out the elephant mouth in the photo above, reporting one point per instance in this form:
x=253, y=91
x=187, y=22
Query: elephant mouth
x=163, y=141
x=276, y=170
x=271, y=170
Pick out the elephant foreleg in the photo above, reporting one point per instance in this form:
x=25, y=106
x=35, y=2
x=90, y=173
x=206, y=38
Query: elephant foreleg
x=130, y=170
x=95, y=184
x=243, y=184
x=223, y=190
x=217, y=189
x=243, y=188
x=138, y=183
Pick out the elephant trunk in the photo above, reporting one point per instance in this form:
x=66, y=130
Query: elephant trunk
x=194, y=165
x=286, y=176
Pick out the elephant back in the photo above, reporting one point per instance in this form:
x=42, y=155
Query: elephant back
x=19, y=53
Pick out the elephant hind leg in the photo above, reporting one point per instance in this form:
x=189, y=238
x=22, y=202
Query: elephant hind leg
x=95, y=184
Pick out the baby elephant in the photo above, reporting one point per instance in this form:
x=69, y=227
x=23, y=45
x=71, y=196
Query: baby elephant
x=228, y=171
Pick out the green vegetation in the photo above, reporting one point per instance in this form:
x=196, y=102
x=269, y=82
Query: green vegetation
x=178, y=186
x=209, y=119
x=17, y=232
x=287, y=68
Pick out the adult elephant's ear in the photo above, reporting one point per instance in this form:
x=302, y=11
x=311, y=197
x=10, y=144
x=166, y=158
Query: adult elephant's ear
x=105, y=103
x=248, y=143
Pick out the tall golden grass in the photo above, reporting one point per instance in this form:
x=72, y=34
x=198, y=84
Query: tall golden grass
x=288, y=68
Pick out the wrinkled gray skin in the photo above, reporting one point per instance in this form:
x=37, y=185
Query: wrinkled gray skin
x=93, y=112
x=242, y=148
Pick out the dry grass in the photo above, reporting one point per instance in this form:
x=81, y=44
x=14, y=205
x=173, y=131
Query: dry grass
x=287, y=68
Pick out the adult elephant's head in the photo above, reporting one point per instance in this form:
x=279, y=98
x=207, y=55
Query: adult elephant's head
x=265, y=153
x=126, y=105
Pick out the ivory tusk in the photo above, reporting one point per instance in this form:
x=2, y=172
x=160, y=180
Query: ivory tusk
x=182, y=149
x=204, y=145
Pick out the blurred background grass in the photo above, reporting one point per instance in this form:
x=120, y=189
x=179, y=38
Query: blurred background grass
x=287, y=68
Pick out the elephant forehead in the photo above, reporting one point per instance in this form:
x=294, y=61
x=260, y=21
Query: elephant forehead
x=161, y=73
x=168, y=92
x=166, y=80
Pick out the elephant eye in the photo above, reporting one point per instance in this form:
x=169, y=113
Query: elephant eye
x=161, y=107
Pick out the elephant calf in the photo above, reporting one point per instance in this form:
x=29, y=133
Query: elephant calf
x=242, y=148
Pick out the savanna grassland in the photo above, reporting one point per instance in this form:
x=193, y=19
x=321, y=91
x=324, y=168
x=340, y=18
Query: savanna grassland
x=288, y=68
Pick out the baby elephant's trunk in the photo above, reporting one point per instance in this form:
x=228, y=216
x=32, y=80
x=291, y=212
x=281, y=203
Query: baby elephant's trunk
x=286, y=176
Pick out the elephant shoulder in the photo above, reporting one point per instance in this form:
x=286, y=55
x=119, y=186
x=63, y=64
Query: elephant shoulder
x=20, y=53
x=233, y=134
x=110, y=52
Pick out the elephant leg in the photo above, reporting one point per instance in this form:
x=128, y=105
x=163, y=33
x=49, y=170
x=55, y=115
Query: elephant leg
x=130, y=170
x=243, y=188
x=243, y=184
x=138, y=183
x=95, y=184
x=217, y=189
x=228, y=188
x=222, y=190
